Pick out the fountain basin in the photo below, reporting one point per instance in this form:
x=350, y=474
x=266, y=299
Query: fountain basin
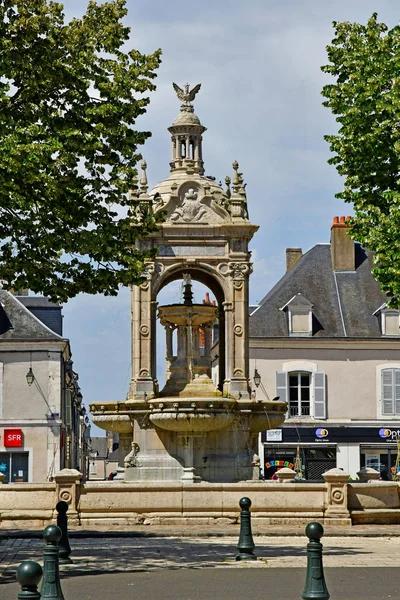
x=178, y=314
x=112, y=422
x=191, y=421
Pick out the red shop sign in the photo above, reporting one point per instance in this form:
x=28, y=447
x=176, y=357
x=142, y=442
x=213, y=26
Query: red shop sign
x=13, y=437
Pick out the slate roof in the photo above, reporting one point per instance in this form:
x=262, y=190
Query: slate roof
x=99, y=445
x=17, y=322
x=48, y=312
x=344, y=302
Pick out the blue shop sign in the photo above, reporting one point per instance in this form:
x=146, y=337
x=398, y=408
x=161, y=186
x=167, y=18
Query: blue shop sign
x=335, y=434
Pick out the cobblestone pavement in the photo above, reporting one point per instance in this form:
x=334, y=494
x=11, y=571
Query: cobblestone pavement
x=117, y=555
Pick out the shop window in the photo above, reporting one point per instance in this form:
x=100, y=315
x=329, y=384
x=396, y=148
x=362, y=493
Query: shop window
x=14, y=465
x=304, y=392
x=391, y=391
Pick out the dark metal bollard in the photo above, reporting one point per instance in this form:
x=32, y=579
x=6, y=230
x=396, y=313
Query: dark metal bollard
x=29, y=574
x=62, y=522
x=315, y=586
x=246, y=544
x=51, y=586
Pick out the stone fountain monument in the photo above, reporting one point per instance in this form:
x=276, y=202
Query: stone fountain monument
x=197, y=427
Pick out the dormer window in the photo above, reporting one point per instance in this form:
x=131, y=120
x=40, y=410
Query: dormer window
x=299, y=311
x=390, y=320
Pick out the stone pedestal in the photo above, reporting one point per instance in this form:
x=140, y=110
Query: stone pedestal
x=286, y=475
x=67, y=489
x=337, y=508
x=367, y=474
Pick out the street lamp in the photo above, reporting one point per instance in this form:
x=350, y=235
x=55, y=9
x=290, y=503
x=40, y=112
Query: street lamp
x=30, y=378
x=257, y=378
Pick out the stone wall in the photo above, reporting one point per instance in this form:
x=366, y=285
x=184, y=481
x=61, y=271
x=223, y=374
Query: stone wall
x=336, y=502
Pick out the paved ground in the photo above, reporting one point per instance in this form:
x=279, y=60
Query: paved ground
x=224, y=584
x=194, y=568
x=113, y=555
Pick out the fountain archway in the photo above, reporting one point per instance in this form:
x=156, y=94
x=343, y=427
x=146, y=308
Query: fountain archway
x=215, y=287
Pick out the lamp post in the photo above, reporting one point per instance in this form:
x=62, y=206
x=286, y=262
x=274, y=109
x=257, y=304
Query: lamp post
x=257, y=382
x=30, y=377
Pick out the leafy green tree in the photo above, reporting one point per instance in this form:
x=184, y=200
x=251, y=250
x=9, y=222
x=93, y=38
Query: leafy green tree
x=365, y=61
x=69, y=96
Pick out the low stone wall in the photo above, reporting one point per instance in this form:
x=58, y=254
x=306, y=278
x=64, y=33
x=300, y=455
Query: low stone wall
x=337, y=502
x=168, y=503
x=374, y=502
x=27, y=504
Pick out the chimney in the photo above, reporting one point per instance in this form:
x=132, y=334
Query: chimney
x=292, y=256
x=342, y=246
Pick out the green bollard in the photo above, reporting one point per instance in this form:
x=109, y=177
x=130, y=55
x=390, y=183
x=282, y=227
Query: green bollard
x=315, y=586
x=51, y=586
x=29, y=574
x=245, y=544
x=62, y=522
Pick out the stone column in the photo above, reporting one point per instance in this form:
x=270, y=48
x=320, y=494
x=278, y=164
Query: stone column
x=67, y=489
x=207, y=340
x=228, y=309
x=336, y=481
x=173, y=142
x=239, y=384
x=196, y=149
x=169, y=349
x=142, y=385
x=187, y=147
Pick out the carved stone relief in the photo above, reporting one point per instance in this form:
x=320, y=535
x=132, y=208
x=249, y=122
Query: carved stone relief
x=238, y=270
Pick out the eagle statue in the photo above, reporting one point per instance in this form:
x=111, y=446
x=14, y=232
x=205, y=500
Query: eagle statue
x=186, y=95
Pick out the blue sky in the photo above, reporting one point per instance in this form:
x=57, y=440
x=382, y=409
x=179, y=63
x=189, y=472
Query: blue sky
x=259, y=66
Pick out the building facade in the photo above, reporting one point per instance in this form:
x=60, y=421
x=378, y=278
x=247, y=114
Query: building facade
x=42, y=418
x=324, y=340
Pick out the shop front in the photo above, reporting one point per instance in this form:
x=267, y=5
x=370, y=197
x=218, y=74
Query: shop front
x=311, y=451
x=14, y=461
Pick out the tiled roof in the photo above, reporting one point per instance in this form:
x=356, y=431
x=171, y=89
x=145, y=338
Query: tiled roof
x=344, y=302
x=48, y=312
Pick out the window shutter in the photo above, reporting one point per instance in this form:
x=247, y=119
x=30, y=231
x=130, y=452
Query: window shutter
x=387, y=392
x=67, y=407
x=282, y=385
x=319, y=395
x=397, y=391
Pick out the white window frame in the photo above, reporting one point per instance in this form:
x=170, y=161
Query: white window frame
x=299, y=311
x=391, y=312
x=379, y=391
x=316, y=376
x=299, y=374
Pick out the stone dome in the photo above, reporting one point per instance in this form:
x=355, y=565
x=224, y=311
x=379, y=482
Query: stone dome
x=185, y=117
x=166, y=187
